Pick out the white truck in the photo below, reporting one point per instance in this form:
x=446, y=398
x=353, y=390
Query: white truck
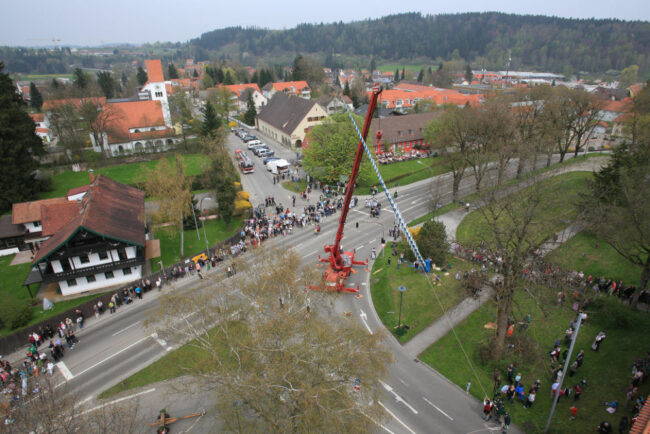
x=277, y=167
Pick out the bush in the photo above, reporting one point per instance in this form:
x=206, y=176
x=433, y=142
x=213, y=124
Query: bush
x=432, y=241
x=15, y=313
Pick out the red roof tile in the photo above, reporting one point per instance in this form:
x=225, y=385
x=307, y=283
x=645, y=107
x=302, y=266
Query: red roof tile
x=133, y=114
x=622, y=106
x=239, y=88
x=642, y=424
x=26, y=212
x=77, y=190
x=297, y=86
x=154, y=70
x=55, y=216
x=37, y=117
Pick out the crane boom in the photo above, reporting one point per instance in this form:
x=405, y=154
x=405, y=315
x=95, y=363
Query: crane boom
x=338, y=267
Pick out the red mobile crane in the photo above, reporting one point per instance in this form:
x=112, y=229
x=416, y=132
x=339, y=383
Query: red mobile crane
x=340, y=262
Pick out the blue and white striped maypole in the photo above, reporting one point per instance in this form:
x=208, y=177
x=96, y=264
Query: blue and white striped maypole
x=398, y=215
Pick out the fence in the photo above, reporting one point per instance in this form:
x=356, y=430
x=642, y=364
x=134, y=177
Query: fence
x=20, y=338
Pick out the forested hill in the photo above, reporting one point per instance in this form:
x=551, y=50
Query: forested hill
x=535, y=41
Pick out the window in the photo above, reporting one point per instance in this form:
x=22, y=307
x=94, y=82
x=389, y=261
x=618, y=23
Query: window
x=84, y=259
x=90, y=279
x=103, y=255
x=411, y=132
x=126, y=271
x=108, y=275
x=37, y=224
x=72, y=282
x=400, y=133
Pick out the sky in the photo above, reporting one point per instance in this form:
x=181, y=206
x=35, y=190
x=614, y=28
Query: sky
x=95, y=22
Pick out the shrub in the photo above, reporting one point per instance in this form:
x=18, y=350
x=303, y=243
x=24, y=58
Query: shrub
x=612, y=313
x=15, y=313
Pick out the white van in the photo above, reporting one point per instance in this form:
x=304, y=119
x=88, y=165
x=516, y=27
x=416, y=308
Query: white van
x=277, y=166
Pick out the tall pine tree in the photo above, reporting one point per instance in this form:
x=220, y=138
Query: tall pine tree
x=421, y=76
x=469, y=75
x=172, y=72
x=142, y=76
x=396, y=76
x=35, y=97
x=210, y=122
x=251, y=112
x=19, y=147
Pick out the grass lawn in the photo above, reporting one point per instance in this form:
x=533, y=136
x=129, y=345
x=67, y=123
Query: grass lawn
x=473, y=228
x=12, y=278
x=125, y=173
x=580, y=253
x=43, y=76
x=419, y=306
x=608, y=371
x=176, y=363
x=216, y=231
x=391, y=67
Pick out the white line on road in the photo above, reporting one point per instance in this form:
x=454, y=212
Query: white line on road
x=360, y=247
x=377, y=423
x=436, y=407
x=162, y=342
x=363, y=318
x=372, y=241
x=113, y=355
x=65, y=371
x=125, y=329
x=415, y=201
x=312, y=253
x=396, y=418
x=397, y=397
x=360, y=212
x=118, y=400
x=402, y=381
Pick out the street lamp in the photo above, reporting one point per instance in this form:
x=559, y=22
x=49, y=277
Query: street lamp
x=402, y=290
x=207, y=249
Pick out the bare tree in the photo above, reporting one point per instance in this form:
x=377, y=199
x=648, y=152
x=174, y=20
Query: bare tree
x=68, y=127
x=169, y=185
x=101, y=121
x=277, y=357
x=527, y=110
x=450, y=134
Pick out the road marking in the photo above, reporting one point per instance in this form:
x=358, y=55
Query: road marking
x=312, y=253
x=363, y=318
x=360, y=212
x=436, y=407
x=125, y=329
x=372, y=241
x=360, y=247
x=396, y=418
x=398, y=398
x=402, y=381
x=113, y=355
x=65, y=371
x=415, y=201
x=377, y=423
x=117, y=400
x=162, y=342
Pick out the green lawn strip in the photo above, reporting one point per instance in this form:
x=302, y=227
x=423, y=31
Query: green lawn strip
x=473, y=228
x=580, y=254
x=12, y=278
x=124, y=173
x=419, y=305
x=216, y=231
x=607, y=372
x=440, y=211
x=391, y=67
x=181, y=361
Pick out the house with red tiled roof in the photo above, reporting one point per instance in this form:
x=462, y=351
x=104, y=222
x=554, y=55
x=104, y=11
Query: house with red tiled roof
x=405, y=95
x=241, y=92
x=299, y=88
x=136, y=127
x=30, y=216
x=96, y=242
x=401, y=134
x=75, y=102
x=42, y=127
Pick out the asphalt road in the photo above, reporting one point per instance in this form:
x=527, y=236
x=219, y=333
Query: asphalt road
x=418, y=399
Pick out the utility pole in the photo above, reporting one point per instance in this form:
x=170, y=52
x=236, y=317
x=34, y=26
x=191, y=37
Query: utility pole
x=566, y=365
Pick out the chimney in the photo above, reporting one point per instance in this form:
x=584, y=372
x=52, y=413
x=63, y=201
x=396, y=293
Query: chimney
x=91, y=172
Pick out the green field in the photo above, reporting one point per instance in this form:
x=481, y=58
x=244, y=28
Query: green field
x=557, y=209
x=125, y=173
x=581, y=254
x=391, y=67
x=607, y=371
x=12, y=278
x=170, y=241
x=419, y=306
x=26, y=77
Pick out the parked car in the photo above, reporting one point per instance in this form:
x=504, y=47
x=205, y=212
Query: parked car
x=248, y=138
x=259, y=149
x=252, y=143
x=262, y=153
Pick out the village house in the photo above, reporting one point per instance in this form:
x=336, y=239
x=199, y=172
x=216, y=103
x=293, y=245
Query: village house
x=335, y=104
x=94, y=242
x=157, y=87
x=298, y=88
x=401, y=134
x=42, y=127
x=287, y=118
x=241, y=91
x=405, y=95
